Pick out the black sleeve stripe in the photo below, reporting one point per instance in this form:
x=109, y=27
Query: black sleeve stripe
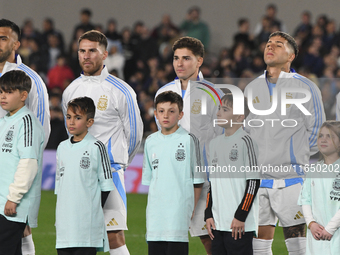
x=252, y=148
x=31, y=130
x=251, y=151
x=104, y=160
x=25, y=130
x=197, y=149
x=28, y=132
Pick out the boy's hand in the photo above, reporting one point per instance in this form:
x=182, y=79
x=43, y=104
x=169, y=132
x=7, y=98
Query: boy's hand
x=325, y=235
x=316, y=230
x=10, y=208
x=237, y=228
x=210, y=224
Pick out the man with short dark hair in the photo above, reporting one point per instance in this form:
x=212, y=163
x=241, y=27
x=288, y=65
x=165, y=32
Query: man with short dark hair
x=285, y=142
x=37, y=100
x=188, y=58
x=117, y=124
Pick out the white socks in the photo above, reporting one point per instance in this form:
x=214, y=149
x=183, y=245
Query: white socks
x=296, y=245
x=262, y=247
x=122, y=250
x=27, y=245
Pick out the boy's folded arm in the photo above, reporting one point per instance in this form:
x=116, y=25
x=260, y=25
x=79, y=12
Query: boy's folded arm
x=334, y=223
x=248, y=199
x=27, y=169
x=208, y=210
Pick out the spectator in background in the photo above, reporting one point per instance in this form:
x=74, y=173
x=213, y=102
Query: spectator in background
x=196, y=28
x=164, y=31
x=85, y=23
x=303, y=31
x=58, y=131
x=129, y=54
x=29, y=31
x=37, y=60
x=271, y=11
x=330, y=37
x=48, y=29
x=115, y=60
x=60, y=75
x=111, y=32
x=243, y=34
x=53, y=50
x=73, y=54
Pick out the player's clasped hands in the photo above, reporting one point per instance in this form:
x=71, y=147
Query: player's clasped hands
x=210, y=225
x=319, y=232
x=237, y=229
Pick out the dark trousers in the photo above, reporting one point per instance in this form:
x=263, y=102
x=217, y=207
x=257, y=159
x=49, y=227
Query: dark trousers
x=77, y=251
x=10, y=236
x=168, y=248
x=225, y=244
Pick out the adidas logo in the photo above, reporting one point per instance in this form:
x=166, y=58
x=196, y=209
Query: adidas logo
x=112, y=222
x=256, y=100
x=299, y=215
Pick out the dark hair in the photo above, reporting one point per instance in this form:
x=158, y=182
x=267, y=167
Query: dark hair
x=291, y=41
x=11, y=25
x=94, y=36
x=169, y=96
x=241, y=21
x=86, y=11
x=193, y=44
x=271, y=6
x=84, y=105
x=228, y=100
x=15, y=80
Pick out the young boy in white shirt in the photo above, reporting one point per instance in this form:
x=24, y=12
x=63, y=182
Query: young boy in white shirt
x=170, y=157
x=83, y=182
x=232, y=207
x=22, y=140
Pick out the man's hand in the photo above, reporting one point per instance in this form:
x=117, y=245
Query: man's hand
x=316, y=230
x=210, y=224
x=237, y=229
x=325, y=235
x=10, y=208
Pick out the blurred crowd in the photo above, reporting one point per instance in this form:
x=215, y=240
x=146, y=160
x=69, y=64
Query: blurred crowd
x=142, y=56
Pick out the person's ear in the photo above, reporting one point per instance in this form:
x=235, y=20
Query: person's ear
x=23, y=96
x=180, y=116
x=89, y=122
x=16, y=45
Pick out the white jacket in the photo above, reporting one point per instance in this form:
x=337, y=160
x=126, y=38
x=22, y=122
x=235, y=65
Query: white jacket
x=193, y=121
x=285, y=146
x=37, y=100
x=117, y=121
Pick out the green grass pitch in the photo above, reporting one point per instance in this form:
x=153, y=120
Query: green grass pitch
x=44, y=235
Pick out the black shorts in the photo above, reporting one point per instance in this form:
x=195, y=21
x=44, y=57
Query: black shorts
x=10, y=236
x=224, y=244
x=168, y=248
x=77, y=251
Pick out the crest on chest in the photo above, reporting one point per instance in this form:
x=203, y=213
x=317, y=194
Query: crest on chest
x=102, y=103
